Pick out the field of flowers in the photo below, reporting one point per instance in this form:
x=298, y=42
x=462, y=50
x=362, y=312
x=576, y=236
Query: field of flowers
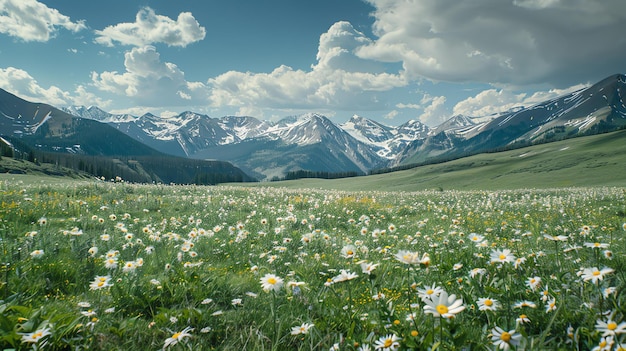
x=115, y=266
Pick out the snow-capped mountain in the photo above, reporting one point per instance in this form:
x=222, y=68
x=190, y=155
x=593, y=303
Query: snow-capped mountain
x=388, y=141
x=598, y=108
x=243, y=127
x=306, y=142
x=313, y=142
x=95, y=113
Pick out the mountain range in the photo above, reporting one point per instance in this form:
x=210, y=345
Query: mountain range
x=42, y=133
x=313, y=142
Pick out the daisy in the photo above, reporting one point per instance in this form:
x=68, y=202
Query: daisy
x=444, y=305
x=367, y=267
x=610, y=327
x=597, y=245
x=611, y=290
x=407, y=257
x=100, y=282
x=387, y=343
x=533, y=283
x=477, y=271
x=503, y=339
x=301, y=329
x=429, y=292
x=551, y=305
x=344, y=275
x=129, y=267
x=502, y=256
x=412, y=257
x=35, y=336
x=110, y=263
x=525, y=303
x=556, y=237
x=487, y=304
x=605, y=344
x=271, y=282
x=522, y=319
x=174, y=339
x=594, y=274
x=348, y=251
x=36, y=254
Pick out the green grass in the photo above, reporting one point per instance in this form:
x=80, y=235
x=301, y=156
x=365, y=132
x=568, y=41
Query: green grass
x=197, y=256
x=598, y=160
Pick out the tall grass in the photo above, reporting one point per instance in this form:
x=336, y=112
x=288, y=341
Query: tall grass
x=189, y=263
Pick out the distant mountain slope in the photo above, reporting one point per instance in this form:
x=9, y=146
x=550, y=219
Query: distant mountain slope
x=307, y=142
x=599, y=108
x=588, y=161
x=386, y=141
x=270, y=149
x=47, y=134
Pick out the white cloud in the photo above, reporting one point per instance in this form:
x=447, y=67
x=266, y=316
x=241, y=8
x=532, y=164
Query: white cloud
x=495, y=41
x=151, y=82
x=31, y=20
x=436, y=112
x=339, y=80
x=150, y=28
x=22, y=84
x=492, y=101
x=413, y=106
x=391, y=115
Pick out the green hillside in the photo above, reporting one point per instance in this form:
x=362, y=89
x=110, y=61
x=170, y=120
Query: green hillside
x=598, y=160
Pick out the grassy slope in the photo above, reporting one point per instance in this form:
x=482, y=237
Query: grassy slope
x=598, y=160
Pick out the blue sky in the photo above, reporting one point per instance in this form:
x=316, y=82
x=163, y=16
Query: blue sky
x=388, y=60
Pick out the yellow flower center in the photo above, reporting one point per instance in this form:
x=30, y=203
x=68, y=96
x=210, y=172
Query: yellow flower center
x=176, y=335
x=596, y=244
x=100, y=284
x=414, y=333
x=611, y=326
x=602, y=343
x=350, y=252
x=506, y=337
x=502, y=256
x=596, y=273
x=488, y=302
x=442, y=309
x=429, y=292
x=271, y=280
x=388, y=343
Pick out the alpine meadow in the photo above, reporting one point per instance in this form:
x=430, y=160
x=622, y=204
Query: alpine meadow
x=320, y=175
x=88, y=264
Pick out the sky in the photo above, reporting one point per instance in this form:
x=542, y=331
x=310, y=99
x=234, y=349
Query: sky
x=387, y=60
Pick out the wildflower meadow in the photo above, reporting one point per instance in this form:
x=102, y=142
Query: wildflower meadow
x=117, y=266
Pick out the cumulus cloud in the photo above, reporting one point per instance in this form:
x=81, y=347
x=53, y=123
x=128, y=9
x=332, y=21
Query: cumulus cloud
x=493, y=101
x=339, y=80
x=21, y=83
x=432, y=110
x=31, y=20
x=149, y=81
x=495, y=41
x=150, y=28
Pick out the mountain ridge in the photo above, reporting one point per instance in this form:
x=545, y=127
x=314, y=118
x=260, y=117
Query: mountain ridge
x=313, y=142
